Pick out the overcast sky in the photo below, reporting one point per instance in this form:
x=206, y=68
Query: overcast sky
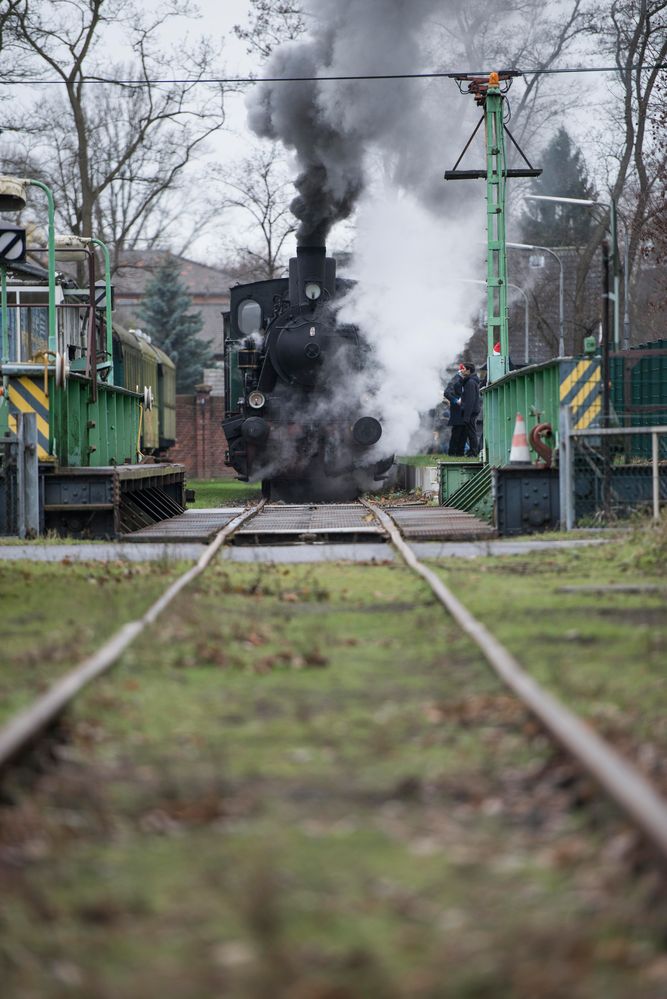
x=217, y=21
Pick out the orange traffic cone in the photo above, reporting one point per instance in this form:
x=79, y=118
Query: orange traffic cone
x=519, y=453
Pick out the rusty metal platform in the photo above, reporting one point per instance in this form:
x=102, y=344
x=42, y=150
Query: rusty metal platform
x=439, y=523
x=316, y=522
x=193, y=525
x=109, y=501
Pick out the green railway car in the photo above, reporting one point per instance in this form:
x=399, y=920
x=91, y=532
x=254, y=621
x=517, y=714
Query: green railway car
x=140, y=365
x=87, y=408
x=166, y=388
x=120, y=422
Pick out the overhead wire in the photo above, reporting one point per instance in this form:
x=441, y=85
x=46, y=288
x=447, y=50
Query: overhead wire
x=327, y=79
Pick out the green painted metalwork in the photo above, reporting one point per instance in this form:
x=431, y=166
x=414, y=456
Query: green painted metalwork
x=474, y=495
x=496, y=278
x=534, y=392
x=4, y=417
x=638, y=396
x=91, y=424
x=488, y=93
x=453, y=474
x=91, y=434
x=107, y=284
x=537, y=392
x=639, y=393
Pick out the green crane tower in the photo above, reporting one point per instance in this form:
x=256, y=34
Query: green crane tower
x=488, y=93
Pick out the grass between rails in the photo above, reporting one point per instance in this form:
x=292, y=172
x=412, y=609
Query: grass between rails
x=222, y=492
x=50, y=539
x=54, y=614
x=603, y=653
x=304, y=783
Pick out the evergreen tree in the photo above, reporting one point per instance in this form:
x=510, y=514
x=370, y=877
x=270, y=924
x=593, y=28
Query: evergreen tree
x=564, y=175
x=164, y=315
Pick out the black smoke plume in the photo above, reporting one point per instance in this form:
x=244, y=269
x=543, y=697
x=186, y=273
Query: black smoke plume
x=333, y=126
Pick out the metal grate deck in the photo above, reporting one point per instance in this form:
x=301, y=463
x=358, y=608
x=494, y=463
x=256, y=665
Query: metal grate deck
x=310, y=522
x=439, y=523
x=193, y=525
x=280, y=523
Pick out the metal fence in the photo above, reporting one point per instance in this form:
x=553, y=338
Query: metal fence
x=610, y=473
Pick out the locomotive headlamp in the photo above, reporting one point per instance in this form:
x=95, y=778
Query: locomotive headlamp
x=313, y=291
x=256, y=399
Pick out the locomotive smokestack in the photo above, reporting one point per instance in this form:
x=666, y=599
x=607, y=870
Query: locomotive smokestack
x=312, y=275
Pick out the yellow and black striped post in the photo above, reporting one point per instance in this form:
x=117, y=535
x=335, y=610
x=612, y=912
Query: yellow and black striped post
x=26, y=395
x=581, y=389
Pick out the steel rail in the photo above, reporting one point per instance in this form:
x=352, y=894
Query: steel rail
x=619, y=778
x=21, y=730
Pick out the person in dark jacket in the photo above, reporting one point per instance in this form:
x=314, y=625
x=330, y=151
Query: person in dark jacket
x=453, y=396
x=471, y=406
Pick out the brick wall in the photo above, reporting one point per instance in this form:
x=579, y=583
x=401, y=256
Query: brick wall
x=200, y=441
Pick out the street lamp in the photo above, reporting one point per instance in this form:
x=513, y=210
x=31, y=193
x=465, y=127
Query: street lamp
x=613, y=228
x=13, y=199
x=561, y=320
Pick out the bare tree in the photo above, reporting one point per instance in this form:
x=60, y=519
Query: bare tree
x=654, y=242
x=260, y=189
x=12, y=68
x=270, y=22
x=635, y=35
x=6, y=32
x=520, y=34
x=114, y=154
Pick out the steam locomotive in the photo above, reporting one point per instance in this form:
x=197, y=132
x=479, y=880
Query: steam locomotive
x=299, y=388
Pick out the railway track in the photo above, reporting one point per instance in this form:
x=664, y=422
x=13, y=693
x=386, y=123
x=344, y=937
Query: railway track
x=620, y=780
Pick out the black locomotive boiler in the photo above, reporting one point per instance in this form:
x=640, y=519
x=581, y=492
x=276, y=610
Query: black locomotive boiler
x=299, y=387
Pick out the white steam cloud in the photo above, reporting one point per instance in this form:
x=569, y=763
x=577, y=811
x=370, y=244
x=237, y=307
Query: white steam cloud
x=410, y=304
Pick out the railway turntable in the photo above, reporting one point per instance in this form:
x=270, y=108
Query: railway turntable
x=318, y=523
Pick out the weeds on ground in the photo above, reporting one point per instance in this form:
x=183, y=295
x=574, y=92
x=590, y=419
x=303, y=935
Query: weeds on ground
x=49, y=538
x=222, y=492
x=402, y=497
x=648, y=547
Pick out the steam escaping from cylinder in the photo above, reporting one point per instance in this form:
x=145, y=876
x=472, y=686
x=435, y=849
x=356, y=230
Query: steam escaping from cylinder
x=410, y=309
